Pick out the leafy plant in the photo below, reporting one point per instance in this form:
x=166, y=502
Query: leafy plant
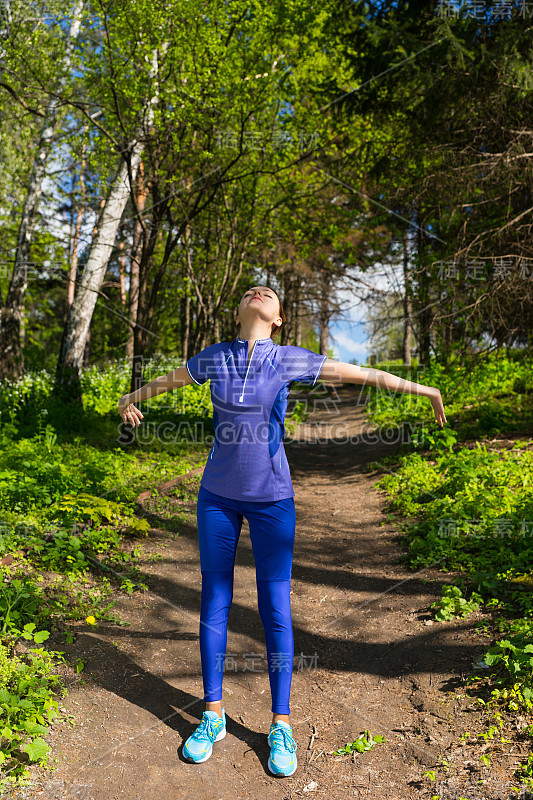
x=19, y=600
x=364, y=742
x=88, y=508
x=513, y=657
x=440, y=441
x=453, y=604
x=27, y=706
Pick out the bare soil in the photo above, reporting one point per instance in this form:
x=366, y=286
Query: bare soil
x=368, y=657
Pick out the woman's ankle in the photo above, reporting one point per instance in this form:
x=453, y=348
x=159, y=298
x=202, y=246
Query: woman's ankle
x=215, y=706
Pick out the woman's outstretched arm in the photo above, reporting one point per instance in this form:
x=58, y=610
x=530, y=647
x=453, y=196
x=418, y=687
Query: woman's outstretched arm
x=164, y=383
x=340, y=372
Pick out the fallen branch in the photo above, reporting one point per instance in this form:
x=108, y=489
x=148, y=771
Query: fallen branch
x=168, y=484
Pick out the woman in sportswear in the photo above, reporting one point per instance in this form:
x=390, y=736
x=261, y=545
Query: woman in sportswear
x=247, y=475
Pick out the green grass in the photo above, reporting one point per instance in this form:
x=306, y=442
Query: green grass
x=463, y=500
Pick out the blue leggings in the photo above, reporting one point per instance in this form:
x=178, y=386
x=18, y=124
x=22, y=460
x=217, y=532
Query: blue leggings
x=272, y=531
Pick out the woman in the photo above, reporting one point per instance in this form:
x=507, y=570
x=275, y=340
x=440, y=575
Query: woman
x=247, y=475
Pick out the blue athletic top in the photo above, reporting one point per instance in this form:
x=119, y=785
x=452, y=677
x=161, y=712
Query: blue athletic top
x=247, y=460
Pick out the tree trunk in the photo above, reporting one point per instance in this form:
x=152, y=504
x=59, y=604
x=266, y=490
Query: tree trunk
x=146, y=299
x=11, y=356
x=87, y=350
x=122, y=276
x=287, y=288
x=80, y=211
x=425, y=313
x=216, y=329
x=324, y=312
x=297, y=313
x=185, y=322
x=136, y=255
x=407, y=304
x=81, y=312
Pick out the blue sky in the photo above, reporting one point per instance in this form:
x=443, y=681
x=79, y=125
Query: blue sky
x=349, y=334
x=349, y=339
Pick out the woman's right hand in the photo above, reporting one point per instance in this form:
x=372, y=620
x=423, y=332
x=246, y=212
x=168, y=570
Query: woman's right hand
x=438, y=407
x=128, y=412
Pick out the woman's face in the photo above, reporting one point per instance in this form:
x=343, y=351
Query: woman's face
x=259, y=301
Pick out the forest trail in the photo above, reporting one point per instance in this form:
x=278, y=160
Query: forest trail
x=368, y=655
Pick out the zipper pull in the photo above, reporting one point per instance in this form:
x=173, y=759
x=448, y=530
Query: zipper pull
x=241, y=398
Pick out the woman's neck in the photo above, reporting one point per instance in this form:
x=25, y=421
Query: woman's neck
x=251, y=336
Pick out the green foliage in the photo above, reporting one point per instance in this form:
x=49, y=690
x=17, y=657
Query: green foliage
x=441, y=441
x=18, y=601
x=28, y=687
x=64, y=499
x=472, y=508
x=453, y=604
x=64, y=502
x=300, y=413
x=513, y=659
x=27, y=403
x=363, y=743
x=469, y=508
x=492, y=394
x=103, y=386
x=87, y=508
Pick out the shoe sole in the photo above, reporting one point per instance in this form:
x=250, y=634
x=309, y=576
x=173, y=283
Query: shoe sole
x=282, y=774
x=220, y=736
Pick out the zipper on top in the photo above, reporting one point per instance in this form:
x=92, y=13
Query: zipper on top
x=241, y=398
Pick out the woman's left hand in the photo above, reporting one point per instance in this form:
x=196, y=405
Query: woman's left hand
x=129, y=413
x=438, y=407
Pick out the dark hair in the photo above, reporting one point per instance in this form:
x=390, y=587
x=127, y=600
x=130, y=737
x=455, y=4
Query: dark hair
x=275, y=328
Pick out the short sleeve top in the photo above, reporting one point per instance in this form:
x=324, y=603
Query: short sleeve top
x=247, y=460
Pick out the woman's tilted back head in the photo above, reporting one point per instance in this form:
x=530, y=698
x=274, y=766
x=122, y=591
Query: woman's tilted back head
x=260, y=304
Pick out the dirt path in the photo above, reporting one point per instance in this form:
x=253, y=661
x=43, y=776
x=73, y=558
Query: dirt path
x=367, y=656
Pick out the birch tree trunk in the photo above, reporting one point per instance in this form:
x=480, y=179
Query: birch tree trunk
x=68, y=372
x=11, y=357
x=75, y=332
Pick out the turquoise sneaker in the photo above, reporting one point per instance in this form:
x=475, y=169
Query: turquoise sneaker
x=199, y=745
x=282, y=759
